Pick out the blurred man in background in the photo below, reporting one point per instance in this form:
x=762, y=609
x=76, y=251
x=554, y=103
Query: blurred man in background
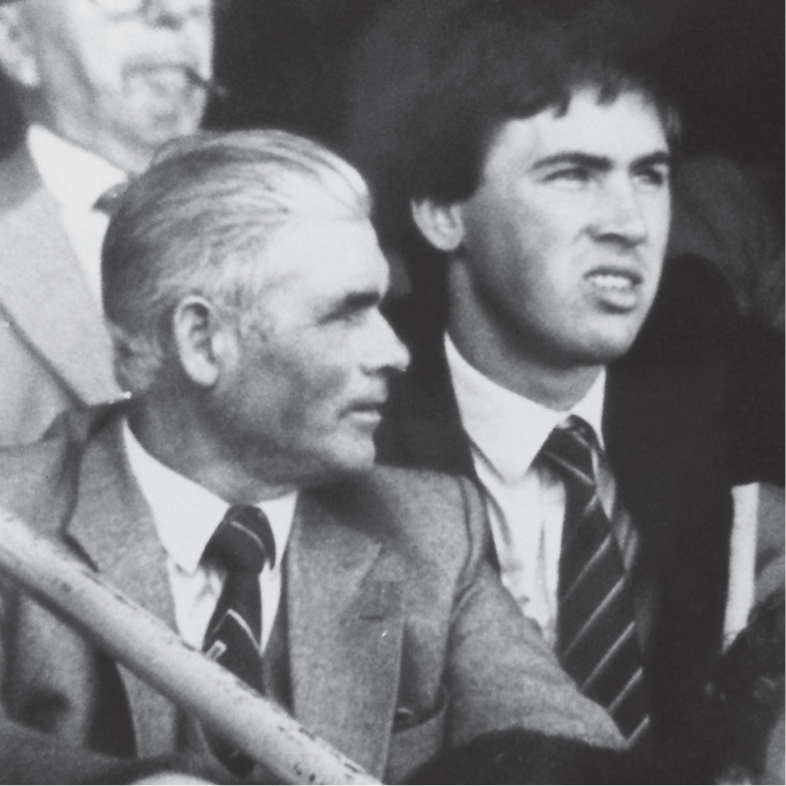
x=101, y=84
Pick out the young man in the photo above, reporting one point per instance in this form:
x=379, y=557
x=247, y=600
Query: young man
x=234, y=494
x=605, y=401
x=101, y=85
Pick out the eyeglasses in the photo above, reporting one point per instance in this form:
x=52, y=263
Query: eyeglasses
x=116, y=9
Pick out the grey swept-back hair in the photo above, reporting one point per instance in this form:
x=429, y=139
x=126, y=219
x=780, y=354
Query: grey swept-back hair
x=198, y=221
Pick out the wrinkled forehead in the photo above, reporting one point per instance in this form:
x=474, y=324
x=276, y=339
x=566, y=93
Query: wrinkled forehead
x=322, y=249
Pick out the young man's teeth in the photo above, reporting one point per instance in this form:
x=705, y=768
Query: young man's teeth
x=608, y=281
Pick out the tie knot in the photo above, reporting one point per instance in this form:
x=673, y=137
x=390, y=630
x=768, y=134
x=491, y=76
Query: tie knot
x=243, y=541
x=570, y=446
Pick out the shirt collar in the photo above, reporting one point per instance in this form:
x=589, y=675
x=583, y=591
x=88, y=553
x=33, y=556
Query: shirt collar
x=186, y=514
x=484, y=405
x=74, y=176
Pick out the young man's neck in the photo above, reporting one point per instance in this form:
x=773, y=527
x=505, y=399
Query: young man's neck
x=557, y=388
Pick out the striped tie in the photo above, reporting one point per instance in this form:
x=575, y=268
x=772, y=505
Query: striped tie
x=596, y=630
x=241, y=545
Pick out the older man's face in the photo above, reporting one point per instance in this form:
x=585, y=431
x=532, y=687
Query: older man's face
x=117, y=77
x=300, y=399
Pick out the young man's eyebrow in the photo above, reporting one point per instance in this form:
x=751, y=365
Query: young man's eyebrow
x=599, y=163
x=658, y=158
x=574, y=158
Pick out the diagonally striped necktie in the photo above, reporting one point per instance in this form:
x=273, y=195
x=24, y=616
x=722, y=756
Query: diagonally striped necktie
x=596, y=629
x=241, y=545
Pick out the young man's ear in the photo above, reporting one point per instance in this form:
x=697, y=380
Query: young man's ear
x=201, y=338
x=442, y=225
x=17, y=54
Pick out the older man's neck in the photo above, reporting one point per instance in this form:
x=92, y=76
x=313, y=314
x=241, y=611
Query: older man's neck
x=175, y=439
x=131, y=157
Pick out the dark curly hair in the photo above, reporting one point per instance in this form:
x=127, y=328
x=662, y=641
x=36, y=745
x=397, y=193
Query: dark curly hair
x=432, y=82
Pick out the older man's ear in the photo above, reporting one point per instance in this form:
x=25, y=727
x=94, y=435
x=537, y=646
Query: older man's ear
x=202, y=339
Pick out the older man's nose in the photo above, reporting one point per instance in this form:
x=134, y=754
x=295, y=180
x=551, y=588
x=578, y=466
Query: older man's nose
x=385, y=351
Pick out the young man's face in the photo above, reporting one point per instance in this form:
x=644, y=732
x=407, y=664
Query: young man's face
x=301, y=400
x=563, y=242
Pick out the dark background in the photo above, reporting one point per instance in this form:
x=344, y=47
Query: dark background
x=282, y=61
x=725, y=58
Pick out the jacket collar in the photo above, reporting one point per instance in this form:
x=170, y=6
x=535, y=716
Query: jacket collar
x=113, y=526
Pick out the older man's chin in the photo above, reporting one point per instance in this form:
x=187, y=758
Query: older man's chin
x=158, y=119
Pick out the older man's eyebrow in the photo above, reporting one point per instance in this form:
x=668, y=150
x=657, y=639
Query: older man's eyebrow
x=351, y=303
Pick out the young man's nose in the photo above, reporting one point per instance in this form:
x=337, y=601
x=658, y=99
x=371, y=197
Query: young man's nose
x=621, y=215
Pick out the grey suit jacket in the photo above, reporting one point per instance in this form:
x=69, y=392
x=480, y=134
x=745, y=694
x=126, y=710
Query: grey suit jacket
x=55, y=351
x=400, y=639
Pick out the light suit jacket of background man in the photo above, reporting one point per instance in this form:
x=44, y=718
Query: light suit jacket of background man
x=55, y=347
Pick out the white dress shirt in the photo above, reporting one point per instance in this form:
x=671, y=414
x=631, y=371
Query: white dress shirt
x=75, y=177
x=525, y=501
x=186, y=515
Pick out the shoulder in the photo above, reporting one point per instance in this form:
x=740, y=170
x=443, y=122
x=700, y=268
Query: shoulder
x=405, y=493
x=422, y=508
x=38, y=481
x=413, y=491
x=694, y=310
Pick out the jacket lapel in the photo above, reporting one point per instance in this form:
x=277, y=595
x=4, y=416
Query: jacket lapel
x=114, y=526
x=345, y=629
x=44, y=292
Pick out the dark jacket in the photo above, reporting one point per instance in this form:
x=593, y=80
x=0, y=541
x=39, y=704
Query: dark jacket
x=694, y=408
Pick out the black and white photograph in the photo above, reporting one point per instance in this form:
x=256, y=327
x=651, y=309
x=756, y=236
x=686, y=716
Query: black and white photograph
x=392, y=391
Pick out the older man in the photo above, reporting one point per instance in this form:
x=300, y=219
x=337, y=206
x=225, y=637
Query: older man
x=605, y=401
x=234, y=494
x=102, y=84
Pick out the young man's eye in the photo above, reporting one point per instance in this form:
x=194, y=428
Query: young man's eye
x=654, y=177
x=572, y=174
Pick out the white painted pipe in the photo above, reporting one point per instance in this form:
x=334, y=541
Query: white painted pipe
x=156, y=654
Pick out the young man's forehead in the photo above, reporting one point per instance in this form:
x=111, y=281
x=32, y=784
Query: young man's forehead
x=628, y=121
